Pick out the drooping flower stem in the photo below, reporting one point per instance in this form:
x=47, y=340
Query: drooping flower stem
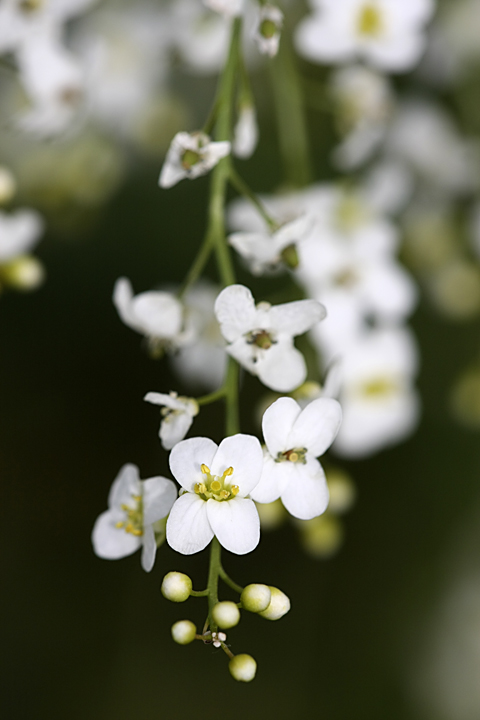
x=212, y=583
x=228, y=581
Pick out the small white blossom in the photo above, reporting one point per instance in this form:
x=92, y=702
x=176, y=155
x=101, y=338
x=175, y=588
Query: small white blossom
x=245, y=132
x=189, y=156
x=177, y=416
x=294, y=439
x=216, y=481
x=135, y=508
x=269, y=28
x=230, y=8
x=266, y=252
x=20, y=231
x=261, y=337
x=387, y=33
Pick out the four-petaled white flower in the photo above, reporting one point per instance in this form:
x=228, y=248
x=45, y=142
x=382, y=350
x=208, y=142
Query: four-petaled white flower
x=177, y=416
x=156, y=314
x=135, y=508
x=387, y=33
x=269, y=28
x=267, y=252
x=216, y=481
x=294, y=439
x=261, y=337
x=189, y=156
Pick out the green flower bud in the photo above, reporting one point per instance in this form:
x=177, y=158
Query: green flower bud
x=176, y=587
x=226, y=614
x=183, y=632
x=242, y=667
x=279, y=605
x=256, y=598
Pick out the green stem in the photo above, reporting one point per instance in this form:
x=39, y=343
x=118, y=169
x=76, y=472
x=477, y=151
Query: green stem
x=212, y=584
x=232, y=423
x=241, y=186
x=198, y=265
x=199, y=593
x=228, y=581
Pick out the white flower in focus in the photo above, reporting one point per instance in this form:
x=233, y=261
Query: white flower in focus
x=135, y=508
x=379, y=402
x=216, y=481
x=156, y=314
x=177, y=416
x=261, y=337
x=268, y=252
x=294, y=439
x=245, y=132
x=230, y=8
x=387, y=33
x=189, y=156
x=269, y=28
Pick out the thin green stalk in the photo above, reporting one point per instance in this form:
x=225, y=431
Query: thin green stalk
x=241, y=186
x=228, y=581
x=212, y=397
x=232, y=423
x=212, y=583
x=198, y=265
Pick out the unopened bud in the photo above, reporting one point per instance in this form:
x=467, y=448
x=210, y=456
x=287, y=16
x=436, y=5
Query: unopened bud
x=176, y=587
x=183, y=632
x=256, y=598
x=278, y=607
x=226, y=614
x=242, y=667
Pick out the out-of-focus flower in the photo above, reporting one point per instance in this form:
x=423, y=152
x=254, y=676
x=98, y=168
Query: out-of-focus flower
x=20, y=231
x=8, y=185
x=261, y=337
x=133, y=519
x=269, y=29
x=246, y=132
x=216, y=481
x=189, y=156
x=294, y=439
x=199, y=35
x=389, y=34
x=230, y=8
x=177, y=416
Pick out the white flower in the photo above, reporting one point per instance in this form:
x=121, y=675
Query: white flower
x=189, y=156
x=134, y=508
x=246, y=132
x=156, y=314
x=19, y=233
x=387, y=33
x=261, y=337
x=200, y=36
x=269, y=28
x=230, y=8
x=267, y=252
x=380, y=404
x=216, y=480
x=294, y=439
x=177, y=416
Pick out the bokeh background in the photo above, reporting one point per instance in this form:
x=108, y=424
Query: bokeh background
x=389, y=627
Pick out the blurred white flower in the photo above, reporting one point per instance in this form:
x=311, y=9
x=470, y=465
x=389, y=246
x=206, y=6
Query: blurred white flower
x=20, y=231
x=200, y=36
x=134, y=508
x=245, y=132
x=294, y=439
x=189, y=156
x=216, y=481
x=269, y=29
x=177, y=416
x=261, y=337
x=387, y=33
x=230, y=8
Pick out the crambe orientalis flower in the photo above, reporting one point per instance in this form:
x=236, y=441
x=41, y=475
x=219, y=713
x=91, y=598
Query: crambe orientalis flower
x=261, y=337
x=189, y=156
x=294, y=439
x=134, y=508
x=267, y=35
x=177, y=416
x=216, y=481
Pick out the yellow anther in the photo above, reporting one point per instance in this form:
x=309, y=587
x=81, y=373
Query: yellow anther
x=137, y=498
x=200, y=488
x=215, y=486
x=119, y=524
x=225, y=494
x=137, y=533
x=126, y=508
x=129, y=528
x=228, y=471
x=235, y=490
x=293, y=457
x=370, y=20
x=205, y=470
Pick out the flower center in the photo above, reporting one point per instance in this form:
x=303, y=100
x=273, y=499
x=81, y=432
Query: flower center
x=379, y=387
x=295, y=455
x=190, y=158
x=134, y=522
x=268, y=29
x=30, y=6
x=370, y=21
x=215, y=487
x=289, y=256
x=349, y=213
x=260, y=338
x=346, y=278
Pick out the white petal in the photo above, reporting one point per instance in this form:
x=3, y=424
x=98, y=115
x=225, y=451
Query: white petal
x=317, y=426
x=277, y=423
x=149, y=549
x=307, y=497
x=19, y=233
x=187, y=457
x=235, y=523
x=295, y=318
x=159, y=494
x=163, y=399
x=188, y=528
x=110, y=542
x=122, y=299
x=272, y=481
x=159, y=314
x=235, y=311
x=174, y=428
x=126, y=484
x=282, y=367
x=243, y=453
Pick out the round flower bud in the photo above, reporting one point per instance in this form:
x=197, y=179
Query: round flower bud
x=183, y=632
x=226, y=614
x=256, y=598
x=176, y=587
x=279, y=605
x=242, y=667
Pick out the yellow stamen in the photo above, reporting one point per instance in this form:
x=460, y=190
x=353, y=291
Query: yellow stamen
x=137, y=498
x=225, y=494
x=205, y=470
x=370, y=20
x=235, y=489
x=119, y=524
x=293, y=457
x=137, y=533
x=129, y=528
x=228, y=471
